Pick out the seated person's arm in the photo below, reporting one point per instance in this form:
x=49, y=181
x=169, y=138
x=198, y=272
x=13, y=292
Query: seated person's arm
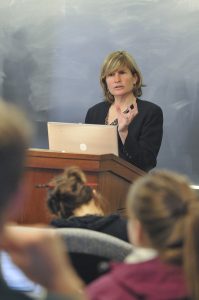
x=41, y=254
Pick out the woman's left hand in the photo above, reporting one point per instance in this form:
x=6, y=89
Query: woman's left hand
x=124, y=119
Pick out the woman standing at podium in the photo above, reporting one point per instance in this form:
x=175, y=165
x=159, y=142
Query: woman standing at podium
x=139, y=122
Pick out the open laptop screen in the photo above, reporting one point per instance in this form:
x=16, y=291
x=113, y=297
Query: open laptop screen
x=82, y=138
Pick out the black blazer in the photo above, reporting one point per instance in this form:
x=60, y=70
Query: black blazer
x=144, y=135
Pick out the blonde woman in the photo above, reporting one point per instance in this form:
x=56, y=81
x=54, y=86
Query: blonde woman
x=140, y=122
x=163, y=225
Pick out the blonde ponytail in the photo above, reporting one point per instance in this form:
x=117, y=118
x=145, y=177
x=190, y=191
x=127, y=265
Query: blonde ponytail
x=191, y=251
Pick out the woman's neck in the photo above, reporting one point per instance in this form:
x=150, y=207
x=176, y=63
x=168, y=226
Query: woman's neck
x=124, y=102
x=88, y=209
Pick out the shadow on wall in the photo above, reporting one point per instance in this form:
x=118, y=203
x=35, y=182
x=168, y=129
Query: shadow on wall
x=18, y=69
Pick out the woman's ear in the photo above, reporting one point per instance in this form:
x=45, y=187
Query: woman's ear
x=134, y=231
x=135, y=79
x=95, y=197
x=137, y=235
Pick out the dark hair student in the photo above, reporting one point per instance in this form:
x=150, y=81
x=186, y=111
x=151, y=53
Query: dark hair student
x=76, y=204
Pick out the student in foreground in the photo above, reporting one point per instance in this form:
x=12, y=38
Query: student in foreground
x=163, y=224
x=30, y=251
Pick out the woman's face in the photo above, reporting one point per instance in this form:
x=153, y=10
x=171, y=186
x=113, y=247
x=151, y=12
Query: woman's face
x=120, y=83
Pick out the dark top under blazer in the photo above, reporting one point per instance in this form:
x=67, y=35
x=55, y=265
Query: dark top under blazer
x=145, y=132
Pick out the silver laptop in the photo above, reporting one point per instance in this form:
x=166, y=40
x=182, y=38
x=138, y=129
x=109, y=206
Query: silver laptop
x=82, y=138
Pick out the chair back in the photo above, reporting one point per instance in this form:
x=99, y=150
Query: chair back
x=89, y=250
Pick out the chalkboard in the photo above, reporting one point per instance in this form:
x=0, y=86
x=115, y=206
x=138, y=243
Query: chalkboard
x=51, y=53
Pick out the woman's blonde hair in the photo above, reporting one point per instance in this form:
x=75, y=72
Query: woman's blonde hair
x=168, y=209
x=112, y=63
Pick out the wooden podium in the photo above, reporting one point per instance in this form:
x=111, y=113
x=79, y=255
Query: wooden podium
x=108, y=174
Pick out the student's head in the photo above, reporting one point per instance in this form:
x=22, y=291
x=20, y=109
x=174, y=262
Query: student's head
x=69, y=191
x=165, y=212
x=14, y=139
x=112, y=63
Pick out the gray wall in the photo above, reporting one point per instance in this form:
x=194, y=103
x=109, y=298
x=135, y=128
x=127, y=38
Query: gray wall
x=51, y=52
